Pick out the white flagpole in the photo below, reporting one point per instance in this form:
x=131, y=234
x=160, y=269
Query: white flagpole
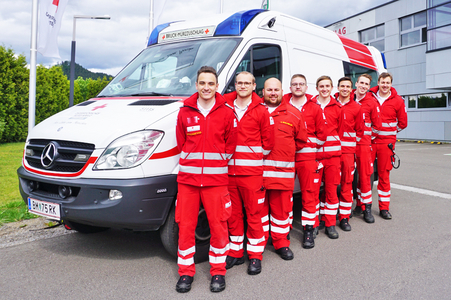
x=151, y=20
x=33, y=54
x=222, y=6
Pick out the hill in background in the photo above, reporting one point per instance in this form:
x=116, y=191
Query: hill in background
x=82, y=72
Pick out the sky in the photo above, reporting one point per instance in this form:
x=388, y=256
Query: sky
x=108, y=45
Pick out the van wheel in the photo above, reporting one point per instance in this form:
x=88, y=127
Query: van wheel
x=83, y=228
x=169, y=234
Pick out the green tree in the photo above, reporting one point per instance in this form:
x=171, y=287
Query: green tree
x=52, y=92
x=13, y=96
x=96, y=86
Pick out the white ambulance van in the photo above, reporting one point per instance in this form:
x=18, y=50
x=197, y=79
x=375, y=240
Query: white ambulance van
x=112, y=161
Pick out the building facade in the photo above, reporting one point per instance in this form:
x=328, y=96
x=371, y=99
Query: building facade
x=415, y=38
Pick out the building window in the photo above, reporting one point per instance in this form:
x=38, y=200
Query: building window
x=439, y=25
x=432, y=100
x=374, y=36
x=413, y=29
x=412, y=101
x=438, y=100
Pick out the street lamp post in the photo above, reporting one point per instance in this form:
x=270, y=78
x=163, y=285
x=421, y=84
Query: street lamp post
x=72, y=54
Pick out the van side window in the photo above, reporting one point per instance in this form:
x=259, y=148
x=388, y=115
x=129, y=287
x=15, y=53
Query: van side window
x=354, y=71
x=264, y=61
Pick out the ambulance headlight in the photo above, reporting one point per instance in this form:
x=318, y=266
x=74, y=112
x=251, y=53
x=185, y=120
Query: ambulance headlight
x=130, y=150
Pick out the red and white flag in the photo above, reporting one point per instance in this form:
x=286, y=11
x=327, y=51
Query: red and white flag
x=49, y=24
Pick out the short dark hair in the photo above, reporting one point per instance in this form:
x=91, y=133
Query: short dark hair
x=346, y=78
x=207, y=69
x=384, y=75
x=324, y=77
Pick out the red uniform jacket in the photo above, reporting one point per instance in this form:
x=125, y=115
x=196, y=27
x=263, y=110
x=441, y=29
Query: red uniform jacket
x=316, y=131
x=351, y=129
x=333, y=119
x=371, y=118
x=255, y=138
x=206, y=143
x=290, y=136
x=393, y=117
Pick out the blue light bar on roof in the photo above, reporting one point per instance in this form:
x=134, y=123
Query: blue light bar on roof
x=236, y=23
x=383, y=59
x=153, y=39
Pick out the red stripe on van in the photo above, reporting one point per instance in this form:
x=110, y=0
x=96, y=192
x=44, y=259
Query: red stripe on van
x=91, y=160
x=165, y=154
x=358, y=53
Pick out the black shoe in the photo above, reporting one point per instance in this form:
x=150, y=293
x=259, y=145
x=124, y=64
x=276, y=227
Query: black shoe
x=321, y=226
x=385, y=214
x=234, y=261
x=255, y=266
x=315, y=232
x=367, y=215
x=357, y=210
x=344, y=225
x=285, y=253
x=217, y=283
x=184, y=284
x=308, y=241
x=331, y=232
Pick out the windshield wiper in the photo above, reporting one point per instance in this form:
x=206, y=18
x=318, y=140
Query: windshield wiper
x=151, y=94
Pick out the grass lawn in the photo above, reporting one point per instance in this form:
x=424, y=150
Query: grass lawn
x=12, y=207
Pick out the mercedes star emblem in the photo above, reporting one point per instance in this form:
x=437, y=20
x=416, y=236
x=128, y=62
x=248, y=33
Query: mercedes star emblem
x=48, y=155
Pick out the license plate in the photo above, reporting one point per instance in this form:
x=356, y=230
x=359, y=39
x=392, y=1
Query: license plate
x=46, y=209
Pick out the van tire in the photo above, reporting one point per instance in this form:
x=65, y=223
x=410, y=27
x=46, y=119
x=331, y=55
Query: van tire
x=83, y=228
x=169, y=234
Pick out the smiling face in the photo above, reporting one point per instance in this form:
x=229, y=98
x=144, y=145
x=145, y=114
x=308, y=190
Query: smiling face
x=206, y=86
x=324, y=88
x=344, y=89
x=362, y=85
x=272, y=92
x=384, y=86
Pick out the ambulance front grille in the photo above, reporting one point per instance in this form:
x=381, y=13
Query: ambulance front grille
x=65, y=158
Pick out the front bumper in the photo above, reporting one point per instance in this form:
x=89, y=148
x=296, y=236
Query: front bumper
x=144, y=205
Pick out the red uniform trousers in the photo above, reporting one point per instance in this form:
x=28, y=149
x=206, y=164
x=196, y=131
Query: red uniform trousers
x=330, y=175
x=217, y=205
x=279, y=206
x=347, y=176
x=309, y=181
x=365, y=170
x=384, y=166
x=247, y=191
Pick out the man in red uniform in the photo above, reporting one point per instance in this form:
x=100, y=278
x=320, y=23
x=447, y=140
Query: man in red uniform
x=255, y=140
x=206, y=137
x=279, y=167
x=329, y=155
x=351, y=131
x=306, y=164
x=372, y=125
x=394, y=119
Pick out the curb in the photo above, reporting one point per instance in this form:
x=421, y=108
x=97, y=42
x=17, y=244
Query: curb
x=423, y=142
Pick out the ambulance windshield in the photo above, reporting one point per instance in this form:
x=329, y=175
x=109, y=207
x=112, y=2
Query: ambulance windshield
x=170, y=69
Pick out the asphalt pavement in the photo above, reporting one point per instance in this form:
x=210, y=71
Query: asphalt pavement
x=408, y=257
